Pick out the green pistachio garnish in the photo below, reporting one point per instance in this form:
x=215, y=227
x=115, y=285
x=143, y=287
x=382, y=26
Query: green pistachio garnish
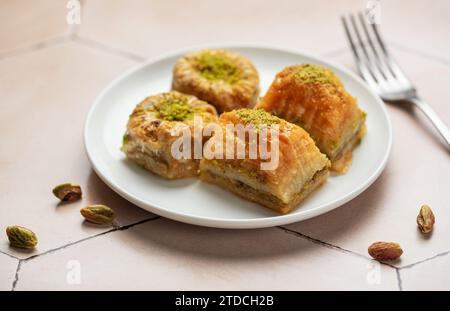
x=214, y=67
x=125, y=139
x=21, y=237
x=175, y=110
x=257, y=117
x=314, y=74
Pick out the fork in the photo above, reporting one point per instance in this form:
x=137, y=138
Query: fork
x=381, y=72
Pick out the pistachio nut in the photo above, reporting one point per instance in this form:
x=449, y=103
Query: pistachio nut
x=425, y=219
x=67, y=192
x=384, y=251
x=98, y=214
x=21, y=237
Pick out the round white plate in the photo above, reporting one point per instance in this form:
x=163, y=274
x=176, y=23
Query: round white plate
x=198, y=203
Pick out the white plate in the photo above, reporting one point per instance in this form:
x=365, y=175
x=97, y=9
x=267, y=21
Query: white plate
x=195, y=202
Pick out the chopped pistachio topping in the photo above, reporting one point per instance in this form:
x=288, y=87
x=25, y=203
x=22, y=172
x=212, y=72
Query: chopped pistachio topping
x=174, y=109
x=257, y=117
x=218, y=67
x=125, y=139
x=314, y=74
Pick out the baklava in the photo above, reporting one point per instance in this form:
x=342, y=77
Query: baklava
x=314, y=98
x=223, y=78
x=156, y=123
x=299, y=167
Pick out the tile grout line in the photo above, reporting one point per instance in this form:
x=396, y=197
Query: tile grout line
x=343, y=250
x=105, y=48
x=121, y=228
x=9, y=255
x=328, y=245
x=35, y=47
x=40, y=45
x=319, y=242
x=399, y=279
x=425, y=260
x=416, y=52
x=72, y=36
x=16, y=276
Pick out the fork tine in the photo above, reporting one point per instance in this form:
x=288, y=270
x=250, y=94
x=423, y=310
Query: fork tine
x=363, y=69
x=380, y=61
x=369, y=60
x=394, y=68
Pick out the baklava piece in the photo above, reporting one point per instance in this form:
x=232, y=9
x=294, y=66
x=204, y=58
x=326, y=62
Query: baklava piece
x=314, y=98
x=156, y=123
x=223, y=78
x=300, y=167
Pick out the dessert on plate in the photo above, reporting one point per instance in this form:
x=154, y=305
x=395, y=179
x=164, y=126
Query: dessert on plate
x=156, y=123
x=298, y=167
x=223, y=78
x=314, y=98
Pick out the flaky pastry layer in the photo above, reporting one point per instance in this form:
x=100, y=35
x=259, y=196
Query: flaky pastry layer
x=314, y=98
x=235, y=86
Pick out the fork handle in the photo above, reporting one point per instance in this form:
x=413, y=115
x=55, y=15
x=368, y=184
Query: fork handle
x=440, y=126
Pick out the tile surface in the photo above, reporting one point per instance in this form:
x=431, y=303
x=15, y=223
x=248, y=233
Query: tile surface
x=430, y=275
x=165, y=255
x=24, y=22
x=306, y=25
x=49, y=93
x=162, y=26
x=418, y=25
x=387, y=210
x=49, y=79
x=8, y=268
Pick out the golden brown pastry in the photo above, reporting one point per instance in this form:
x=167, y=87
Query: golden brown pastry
x=300, y=168
x=314, y=98
x=156, y=123
x=223, y=78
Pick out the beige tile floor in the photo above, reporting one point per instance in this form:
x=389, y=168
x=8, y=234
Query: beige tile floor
x=195, y=258
x=7, y=267
x=427, y=275
x=49, y=74
x=30, y=23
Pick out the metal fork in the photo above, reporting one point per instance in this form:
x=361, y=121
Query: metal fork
x=380, y=71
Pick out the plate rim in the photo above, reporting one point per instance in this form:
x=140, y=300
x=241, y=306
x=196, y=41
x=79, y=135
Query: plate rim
x=230, y=223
